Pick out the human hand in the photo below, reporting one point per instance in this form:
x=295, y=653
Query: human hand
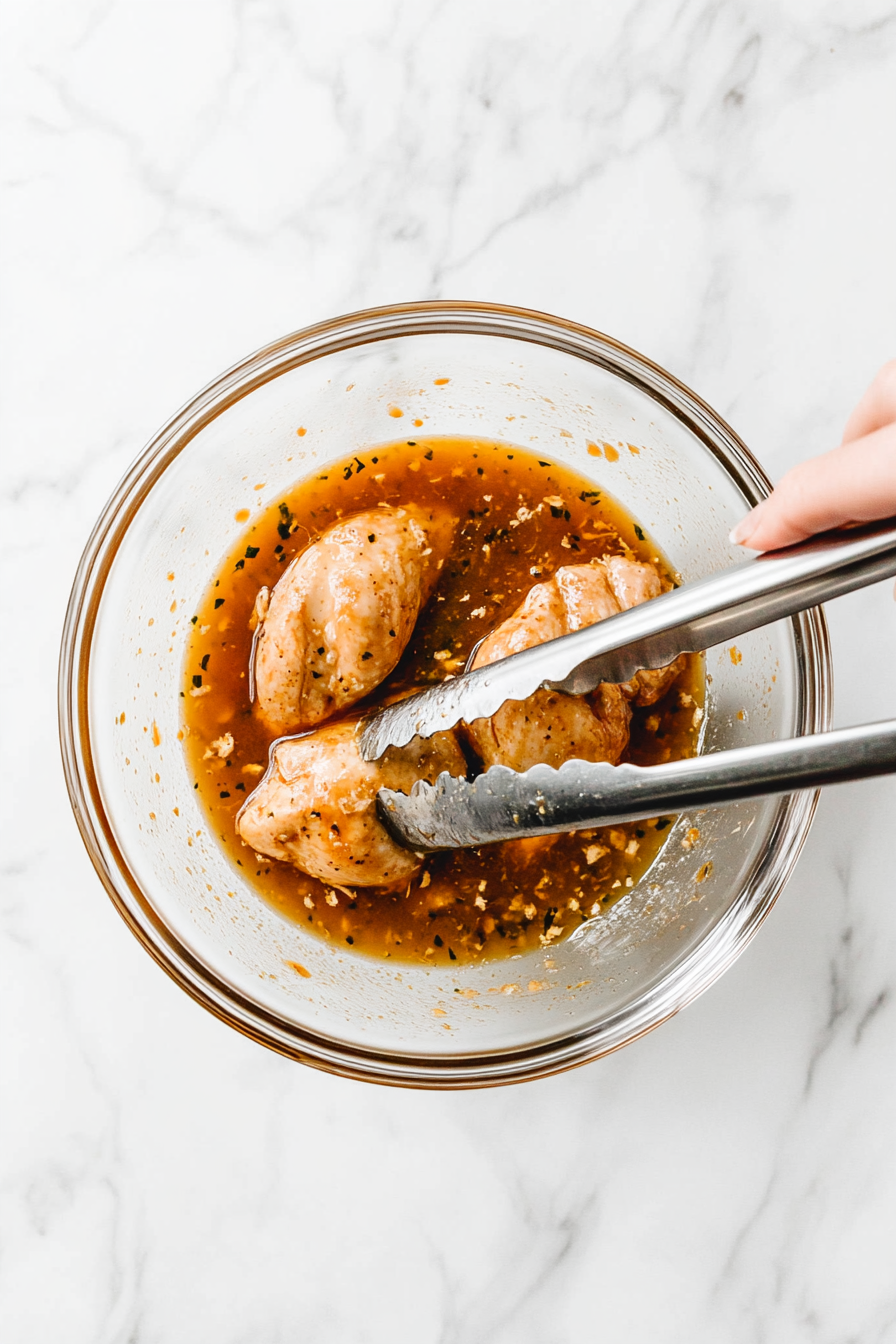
x=854, y=483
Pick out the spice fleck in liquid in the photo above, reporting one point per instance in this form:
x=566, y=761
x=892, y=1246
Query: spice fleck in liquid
x=521, y=518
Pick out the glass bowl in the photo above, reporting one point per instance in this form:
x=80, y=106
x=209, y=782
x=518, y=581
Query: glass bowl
x=524, y=377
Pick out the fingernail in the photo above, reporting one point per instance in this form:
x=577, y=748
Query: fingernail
x=740, y=535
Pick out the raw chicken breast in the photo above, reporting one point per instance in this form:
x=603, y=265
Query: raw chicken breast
x=316, y=806
x=340, y=617
x=550, y=727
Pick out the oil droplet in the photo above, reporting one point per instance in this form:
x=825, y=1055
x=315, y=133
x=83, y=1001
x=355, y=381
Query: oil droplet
x=121, y=717
x=241, y=516
x=633, y=450
x=611, y=453
x=594, y=450
x=156, y=735
x=735, y=655
x=302, y=431
x=440, y=382
x=396, y=412
x=171, y=576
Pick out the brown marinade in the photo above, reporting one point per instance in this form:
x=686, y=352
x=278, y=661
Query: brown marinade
x=472, y=904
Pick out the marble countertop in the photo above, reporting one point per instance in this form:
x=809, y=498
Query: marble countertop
x=710, y=183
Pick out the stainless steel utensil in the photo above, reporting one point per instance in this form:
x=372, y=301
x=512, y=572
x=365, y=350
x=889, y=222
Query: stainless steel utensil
x=503, y=805
x=693, y=617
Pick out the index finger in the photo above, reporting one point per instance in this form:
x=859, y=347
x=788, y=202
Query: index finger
x=854, y=483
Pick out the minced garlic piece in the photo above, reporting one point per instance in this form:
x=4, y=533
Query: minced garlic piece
x=221, y=747
x=595, y=852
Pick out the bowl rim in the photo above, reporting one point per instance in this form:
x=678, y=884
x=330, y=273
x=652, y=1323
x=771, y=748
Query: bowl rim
x=686, y=978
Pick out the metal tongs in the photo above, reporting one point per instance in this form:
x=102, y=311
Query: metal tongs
x=502, y=804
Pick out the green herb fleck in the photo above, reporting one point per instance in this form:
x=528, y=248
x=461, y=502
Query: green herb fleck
x=285, y=523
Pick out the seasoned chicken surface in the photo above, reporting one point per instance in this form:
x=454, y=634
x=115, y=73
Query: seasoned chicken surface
x=634, y=583
x=315, y=807
x=549, y=727
x=339, y=619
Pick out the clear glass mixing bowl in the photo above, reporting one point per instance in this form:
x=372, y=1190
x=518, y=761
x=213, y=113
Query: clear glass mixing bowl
x=516, y=375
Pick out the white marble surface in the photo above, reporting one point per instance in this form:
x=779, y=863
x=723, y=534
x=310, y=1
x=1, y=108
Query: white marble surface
x=712, y=183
